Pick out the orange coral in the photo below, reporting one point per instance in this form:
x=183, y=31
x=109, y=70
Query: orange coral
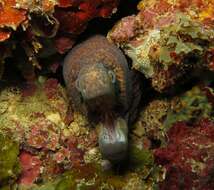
x=4, y=35
x=9, y=15
x=48, y=5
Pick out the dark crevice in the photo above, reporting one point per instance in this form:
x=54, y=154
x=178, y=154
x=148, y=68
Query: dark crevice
x=103, y=25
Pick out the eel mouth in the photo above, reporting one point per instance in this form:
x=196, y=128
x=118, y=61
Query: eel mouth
x=113, y=139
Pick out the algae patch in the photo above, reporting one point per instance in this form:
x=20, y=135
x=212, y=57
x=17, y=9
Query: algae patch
x=9, y=163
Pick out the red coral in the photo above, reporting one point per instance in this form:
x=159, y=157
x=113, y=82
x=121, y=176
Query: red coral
x=68, y=3
x=37, y=137
x=43, y=135
x=162, y=7
x=71, y=16
x=74, y=20
x=148, y=17
x=183, y=4
x=76, y=154
x=51, y=167
x=126, y=31
x=9, y=17
x=47, y=5
x=61, y=155
x=31, y=166
x=188, y=155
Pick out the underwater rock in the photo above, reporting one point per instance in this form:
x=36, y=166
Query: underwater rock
x=167, y=40
x=46, y=146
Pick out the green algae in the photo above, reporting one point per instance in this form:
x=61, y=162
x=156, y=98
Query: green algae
x=140, y=158
x=142, y=163
x=92, y=177
x=87, y=178
x=9, y=163
x=65, y=184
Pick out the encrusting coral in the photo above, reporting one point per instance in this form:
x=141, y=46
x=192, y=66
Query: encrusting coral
x=48, y=153
x=46, y=27
x=168, y=40
x=180, y=132
x=188, y=157
x=161, y=114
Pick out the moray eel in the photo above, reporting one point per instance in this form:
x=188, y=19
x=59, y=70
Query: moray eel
x=100, y=84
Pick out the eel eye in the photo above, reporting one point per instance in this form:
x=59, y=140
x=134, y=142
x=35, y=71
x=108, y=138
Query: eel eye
x=112, y=76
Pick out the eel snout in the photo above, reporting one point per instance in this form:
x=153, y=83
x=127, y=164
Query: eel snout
x=113, y=140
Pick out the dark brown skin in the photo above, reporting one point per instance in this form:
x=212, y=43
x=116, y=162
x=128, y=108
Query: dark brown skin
x=88, y=72
x=97, y=50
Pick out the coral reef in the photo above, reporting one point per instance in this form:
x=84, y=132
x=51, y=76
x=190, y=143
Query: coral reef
x=180, y=133
x=168, y=40
x=161, y=114
x=150, y=124
x=49, y=153
x=46, y=27
x=44, y=145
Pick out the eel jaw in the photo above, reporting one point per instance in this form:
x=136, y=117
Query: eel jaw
x=113, y=141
